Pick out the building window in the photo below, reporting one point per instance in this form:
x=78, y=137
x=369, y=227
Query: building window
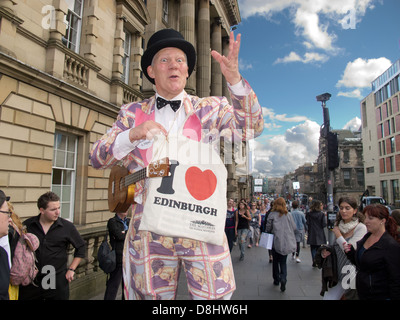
x=165, y=10
x=384, y=190
x=127, y=55
x=64, y=172
x=74, y=25
x=395, y=193
x=347, y=177
x=392, y=145
x=346, y=156
x=360, y=177
x=391, y=164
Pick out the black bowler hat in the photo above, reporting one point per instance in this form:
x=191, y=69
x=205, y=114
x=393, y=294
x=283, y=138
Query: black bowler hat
x=166, y=38
x=3, y=198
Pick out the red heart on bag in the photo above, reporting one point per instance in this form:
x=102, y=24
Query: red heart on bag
x=200, y=184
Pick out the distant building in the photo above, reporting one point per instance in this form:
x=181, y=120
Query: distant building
x=380, y=115
x=349, y=176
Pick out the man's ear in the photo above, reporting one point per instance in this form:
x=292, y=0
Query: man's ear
x=150, y=72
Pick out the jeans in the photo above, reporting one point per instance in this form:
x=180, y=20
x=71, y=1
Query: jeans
x=242, y=237
x=230, y=235
x=314, y=249
x=279, y=267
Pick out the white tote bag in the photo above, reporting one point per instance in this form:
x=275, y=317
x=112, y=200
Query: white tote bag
x=191, y=202
x=266, y=240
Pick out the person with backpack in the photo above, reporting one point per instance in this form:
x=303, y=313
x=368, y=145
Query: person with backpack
x=117, y=228
x=55, y=235
x=22, y=252
x=5, y=218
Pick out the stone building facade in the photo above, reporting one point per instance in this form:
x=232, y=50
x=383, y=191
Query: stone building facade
x=66, y=67
x=348, y=178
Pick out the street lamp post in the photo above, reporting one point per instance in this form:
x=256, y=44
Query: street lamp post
x=325, y=131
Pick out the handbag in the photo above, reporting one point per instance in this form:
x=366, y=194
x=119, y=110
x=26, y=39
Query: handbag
x=266, y=240
x=106, y=257
x=190, y=203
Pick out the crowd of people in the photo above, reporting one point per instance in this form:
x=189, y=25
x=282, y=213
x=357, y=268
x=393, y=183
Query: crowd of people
x=366, y=249
x=362, y=263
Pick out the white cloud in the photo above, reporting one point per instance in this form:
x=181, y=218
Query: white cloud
x=360, y=73
x=244, y=65
x=351, y=94
x=353, y=125
x=280, y=154
x=269, y=113
x=309, y=57
x=312, y=18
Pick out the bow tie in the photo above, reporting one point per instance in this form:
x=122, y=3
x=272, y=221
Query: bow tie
x=175, y=104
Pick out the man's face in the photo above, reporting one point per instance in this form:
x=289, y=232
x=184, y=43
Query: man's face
x=52, y=212
x=4, y=219
x=169, y=71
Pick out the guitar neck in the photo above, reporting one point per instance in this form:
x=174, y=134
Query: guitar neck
x=135, y=177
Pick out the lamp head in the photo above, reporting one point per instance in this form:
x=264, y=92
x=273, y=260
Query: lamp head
x=324, y=97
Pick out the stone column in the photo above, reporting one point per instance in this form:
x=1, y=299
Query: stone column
x=117, y=68
x=91, y=31
x=55, y=57
x=187, y=29
x=7, y=5
x=216, y=44
x=9, y=22
x=203, y=49
x=136, y=56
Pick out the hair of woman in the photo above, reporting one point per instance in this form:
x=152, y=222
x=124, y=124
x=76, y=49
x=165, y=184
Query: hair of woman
x=381, y=212
x=280, y=206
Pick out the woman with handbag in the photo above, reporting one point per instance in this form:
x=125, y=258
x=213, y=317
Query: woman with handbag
x=282, y=226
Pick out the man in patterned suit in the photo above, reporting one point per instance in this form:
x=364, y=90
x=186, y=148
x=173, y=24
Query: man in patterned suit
x=168, y=62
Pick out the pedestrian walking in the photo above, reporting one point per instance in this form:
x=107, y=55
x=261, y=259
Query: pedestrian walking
x=117, y=229
x=349, y=229
x=230, y=223
x=242, y=225
x=377, y=256
x=254, y=227
x=301, y=228
x=282, y=226
x=316, y=222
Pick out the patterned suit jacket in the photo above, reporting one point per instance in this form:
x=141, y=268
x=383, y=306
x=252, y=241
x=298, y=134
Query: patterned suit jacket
x=213, y=116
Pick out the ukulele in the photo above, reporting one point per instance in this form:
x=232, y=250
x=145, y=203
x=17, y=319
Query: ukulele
x=121, y=184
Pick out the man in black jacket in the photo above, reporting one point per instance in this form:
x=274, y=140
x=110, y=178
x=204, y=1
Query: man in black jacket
x=117, y=228
x=55, y=235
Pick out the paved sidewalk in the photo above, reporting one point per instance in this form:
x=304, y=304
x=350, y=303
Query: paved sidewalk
x=253, y=278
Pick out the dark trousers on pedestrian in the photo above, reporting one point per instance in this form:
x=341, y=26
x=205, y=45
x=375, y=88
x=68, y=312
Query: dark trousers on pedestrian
x=230, y=236
x=37, y=292
x=314, y=249
x=113, y=283
x=279, y=267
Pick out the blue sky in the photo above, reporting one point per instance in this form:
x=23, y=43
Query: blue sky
x=294, y=50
